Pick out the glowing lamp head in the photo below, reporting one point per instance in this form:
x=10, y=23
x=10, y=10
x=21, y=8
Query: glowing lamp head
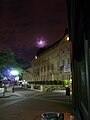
x=35, y=57
x=14, y=72
x=67, y=38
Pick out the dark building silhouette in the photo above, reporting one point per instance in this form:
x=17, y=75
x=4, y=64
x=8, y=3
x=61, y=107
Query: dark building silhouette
x=78, y=12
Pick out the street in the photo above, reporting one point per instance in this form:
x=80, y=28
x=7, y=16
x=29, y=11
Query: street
x=29, y=105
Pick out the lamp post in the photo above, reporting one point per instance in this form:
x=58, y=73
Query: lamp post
x=14, y=73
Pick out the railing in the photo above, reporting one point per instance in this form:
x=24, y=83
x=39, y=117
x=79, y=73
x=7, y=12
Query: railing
x=47, y=88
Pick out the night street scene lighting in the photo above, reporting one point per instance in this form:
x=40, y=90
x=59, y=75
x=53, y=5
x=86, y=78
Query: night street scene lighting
x=14, y=73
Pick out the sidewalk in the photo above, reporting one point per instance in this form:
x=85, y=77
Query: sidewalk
x=8, y=94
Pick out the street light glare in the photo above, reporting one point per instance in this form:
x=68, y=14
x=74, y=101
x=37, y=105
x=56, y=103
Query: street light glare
x=14, y=72
x=67, y=38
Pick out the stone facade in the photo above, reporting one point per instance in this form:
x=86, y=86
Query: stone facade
x=27, y=75
x=53, y=65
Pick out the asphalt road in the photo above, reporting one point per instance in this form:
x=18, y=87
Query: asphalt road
x=29, y=105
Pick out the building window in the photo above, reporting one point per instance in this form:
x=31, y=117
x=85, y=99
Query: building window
x=41, y=78
x=58, y=65
x=48, y=68
x=52, y=67
x=68, y=60
x=44, y=68
x=63, y=62
x=63, y=51
x=41, y=69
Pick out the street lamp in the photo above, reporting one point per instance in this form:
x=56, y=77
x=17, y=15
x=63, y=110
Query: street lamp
x=68, y=38
x=14, y=73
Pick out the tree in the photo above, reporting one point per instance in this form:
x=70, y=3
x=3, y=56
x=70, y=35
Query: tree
x=22, y=63
x=7, y=59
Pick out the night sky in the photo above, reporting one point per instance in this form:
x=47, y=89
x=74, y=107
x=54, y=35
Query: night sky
x=24, y=22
